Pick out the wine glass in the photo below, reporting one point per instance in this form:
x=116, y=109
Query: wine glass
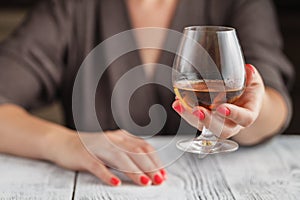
x=208, y=71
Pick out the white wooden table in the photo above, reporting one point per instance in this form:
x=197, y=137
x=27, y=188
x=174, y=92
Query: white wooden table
x=269, y=171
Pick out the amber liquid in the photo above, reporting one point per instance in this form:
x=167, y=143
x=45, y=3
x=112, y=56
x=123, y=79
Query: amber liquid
x=207, y=93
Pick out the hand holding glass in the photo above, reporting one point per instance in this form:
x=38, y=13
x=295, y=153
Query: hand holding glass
x=208, y=71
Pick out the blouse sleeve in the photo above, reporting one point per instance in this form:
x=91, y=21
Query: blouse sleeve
x=32, y=58
x=262, y=45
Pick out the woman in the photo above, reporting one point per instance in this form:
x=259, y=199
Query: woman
x=39, y=62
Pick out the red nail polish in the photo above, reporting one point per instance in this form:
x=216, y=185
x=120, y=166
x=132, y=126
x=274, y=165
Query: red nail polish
x=224, y=111
x=164, y=173
x=179, y=108
x=251, y=68
x=115, y=181
x=200, y=114
x=158, y=179
x=144, y=180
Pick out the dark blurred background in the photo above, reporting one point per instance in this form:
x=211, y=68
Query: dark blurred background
x=13, y=11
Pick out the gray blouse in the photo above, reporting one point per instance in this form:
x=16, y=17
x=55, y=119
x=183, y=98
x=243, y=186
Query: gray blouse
x=40, y=60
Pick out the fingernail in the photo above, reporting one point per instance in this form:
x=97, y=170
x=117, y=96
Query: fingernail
x=115, y=181
x=179, y=108
x=164, y=173
x=145, y=180
x=224, y=111
x=251, y=68
x=200, y=114
x=158, y=179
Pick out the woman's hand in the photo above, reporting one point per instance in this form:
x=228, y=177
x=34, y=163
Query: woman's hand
x=116, y=149
x=231, y=117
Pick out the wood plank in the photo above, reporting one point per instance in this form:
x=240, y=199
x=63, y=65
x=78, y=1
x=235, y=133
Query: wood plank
x=270, y=171
x=188, y=178
x=30, y=179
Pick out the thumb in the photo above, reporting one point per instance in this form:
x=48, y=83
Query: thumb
x=250, y=71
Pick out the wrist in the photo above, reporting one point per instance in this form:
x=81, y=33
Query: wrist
x=266, y=125
x=276, y=104
x=56, y=139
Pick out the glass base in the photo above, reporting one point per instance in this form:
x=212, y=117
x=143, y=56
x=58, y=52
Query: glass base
x=202, y=146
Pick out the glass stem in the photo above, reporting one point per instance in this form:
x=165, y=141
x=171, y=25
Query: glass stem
x=207, y=137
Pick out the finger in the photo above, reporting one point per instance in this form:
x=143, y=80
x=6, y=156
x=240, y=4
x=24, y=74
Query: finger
x=187, y=115
x=144, y=147
x=250, y=71
x=151, y=152
x=221, y=127
x=143, y=155
x=254, y=81
x=125, y=164
x=239, y=115
x=178, y=107
x=145, y=163
x=217, y=124
x=99, y=170
x=202, y=114
x=117, y=157
x=224, y=128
